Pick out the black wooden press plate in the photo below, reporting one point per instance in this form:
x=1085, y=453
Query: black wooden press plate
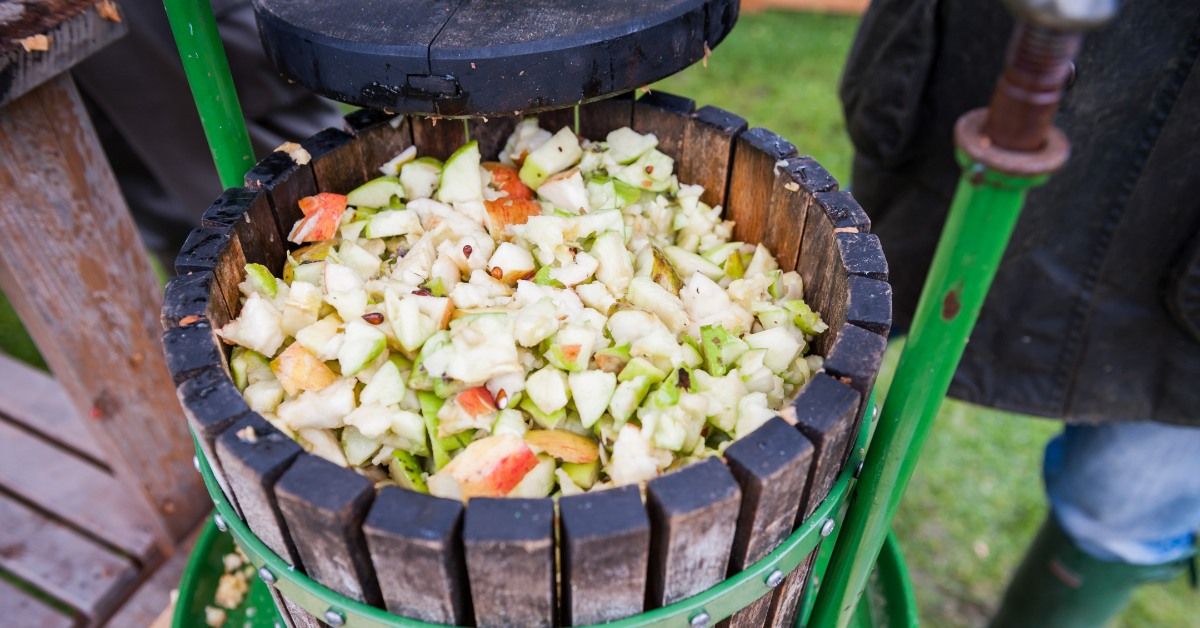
x=483, y=57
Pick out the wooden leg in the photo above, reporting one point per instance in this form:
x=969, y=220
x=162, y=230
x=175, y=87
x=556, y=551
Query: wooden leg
x=76, y=272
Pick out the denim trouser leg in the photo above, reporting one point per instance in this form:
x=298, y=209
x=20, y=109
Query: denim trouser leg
x=1127, y=492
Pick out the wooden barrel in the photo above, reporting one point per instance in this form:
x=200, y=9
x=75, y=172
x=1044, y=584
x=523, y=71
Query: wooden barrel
x=592, y=557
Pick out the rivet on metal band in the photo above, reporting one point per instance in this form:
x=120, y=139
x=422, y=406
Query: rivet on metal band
x=266, y=575
x=700, y=620
x=827, y=527
x=219, y=521
x=196, y=463
x=774, y=579
x=334, y=617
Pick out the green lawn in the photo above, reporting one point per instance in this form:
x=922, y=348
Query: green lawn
x=976, y=496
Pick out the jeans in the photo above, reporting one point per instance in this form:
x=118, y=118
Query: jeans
x=1127, y=492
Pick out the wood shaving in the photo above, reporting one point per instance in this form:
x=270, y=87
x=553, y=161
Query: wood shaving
x=788, y=413
x=846, y=230
x=707, y=54
x=190, y=319
x=108, y=10
x=35, y=43
x=295, y=151
x=247, y=434
x=791, y=186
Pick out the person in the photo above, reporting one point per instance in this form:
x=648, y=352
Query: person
x=1094, y=316
x=140, y=103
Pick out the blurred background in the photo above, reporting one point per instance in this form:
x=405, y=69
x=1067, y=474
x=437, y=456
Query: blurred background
x=976, y=497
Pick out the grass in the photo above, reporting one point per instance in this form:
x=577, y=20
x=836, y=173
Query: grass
x=976, y=497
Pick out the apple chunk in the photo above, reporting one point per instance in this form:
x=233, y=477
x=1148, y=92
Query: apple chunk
x=298, y=369
x=564, y=445
x=488, y=467
x=471, y=408
x=505, y=212
x=510, y=263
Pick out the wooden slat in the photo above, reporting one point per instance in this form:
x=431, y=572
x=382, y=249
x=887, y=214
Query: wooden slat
x=75, y=491
x=285, y=183
x=711, y=134
x=492, y=134
x=771, y=466
x=337, y=161
x=869, y=304
x=855, y=357
x=379, y=140
x=556, y=119
x=510, y=561
x=597, y=118
x=192, y=296
x=693, y=514
x=855, y=254
x=253, y=455
x=825, y=412
x=437, y=137
x=75, y=29
x=786, y=211
x=37, y=402
x=248, y=212
x=211, y=404
x=668, y=117
x=201, y=249
x=77, y=274
x=32, y=612
x=61, y=562
x=190, y=349
x=415, y=542
x=605, y=548
x=324, y=506
x=751, y=179
x=215, y=249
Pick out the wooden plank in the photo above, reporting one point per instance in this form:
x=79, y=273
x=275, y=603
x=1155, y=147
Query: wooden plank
x=32, y=612
x=248, y=212
x=61, y=562
x=844, y=213
x=811, y=175
x=598, y=118
x=215, y=249
x=556, y=119
x=74, y=30
x=192, y=296
x=755, y=155
x=70, y=488
x=825, y=411
x=693, y=515
x=154, y=592
x=771, y=466
x=93, y=312
x=38, y=403
x=324, y=506
x=605, y=548
x=437, y=137
x=855, y=254
x=855, y=358
x=668, y=117
x=381, y=136
x=711, y=134
x=285, y=183
x=786, y=211
x=415, y=542
x=869, y=304
x=253, y=455
x=201, y=249
x=337, y=161
x=510, y=561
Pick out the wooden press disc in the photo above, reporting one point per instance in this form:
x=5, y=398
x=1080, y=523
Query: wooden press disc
x=486, y=57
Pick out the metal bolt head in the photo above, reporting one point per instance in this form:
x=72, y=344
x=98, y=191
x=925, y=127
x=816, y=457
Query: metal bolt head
x=700, y=620
x=827, y=527
x=196, y=463
x=220, y=523
x=266, y=576
x=334, y=617
x=775, y=578
x=858, y=469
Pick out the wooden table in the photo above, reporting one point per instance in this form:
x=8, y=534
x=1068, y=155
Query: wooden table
x=97, y=488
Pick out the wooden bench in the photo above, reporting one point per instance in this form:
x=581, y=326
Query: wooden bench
x=96, y=483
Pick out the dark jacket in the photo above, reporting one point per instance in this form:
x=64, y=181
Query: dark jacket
x=1095, y=313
